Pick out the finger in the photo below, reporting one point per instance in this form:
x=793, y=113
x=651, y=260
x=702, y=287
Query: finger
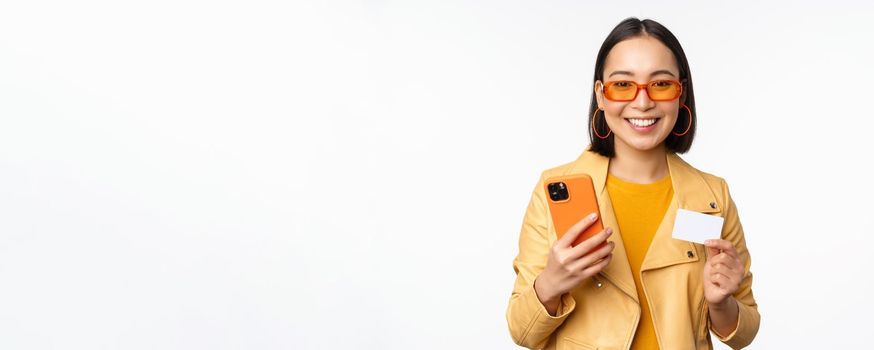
x=714, y=280
x=719, y=266
x=729, y=261
x=721, y=245
x=575, y=230
x=720, y=279
x=720, y=287
x=720, y=258
x=723, y=269
x=597, y=267
x=583, y=262
x=590, y=243
x=711, y=252
x=725, y=284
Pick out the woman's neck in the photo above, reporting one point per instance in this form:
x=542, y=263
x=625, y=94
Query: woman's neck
x=639, y=166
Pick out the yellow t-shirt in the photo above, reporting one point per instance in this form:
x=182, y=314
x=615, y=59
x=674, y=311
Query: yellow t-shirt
x=639, y=210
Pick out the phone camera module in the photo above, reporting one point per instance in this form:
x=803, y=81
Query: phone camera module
x=557, y=191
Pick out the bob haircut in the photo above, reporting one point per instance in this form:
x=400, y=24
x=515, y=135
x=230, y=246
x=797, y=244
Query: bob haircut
x=629, y=28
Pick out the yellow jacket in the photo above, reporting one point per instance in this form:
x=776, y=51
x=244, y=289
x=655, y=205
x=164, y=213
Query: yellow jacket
x=603, y=312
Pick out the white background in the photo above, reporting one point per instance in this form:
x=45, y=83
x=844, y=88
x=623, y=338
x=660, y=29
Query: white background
x=274, y=175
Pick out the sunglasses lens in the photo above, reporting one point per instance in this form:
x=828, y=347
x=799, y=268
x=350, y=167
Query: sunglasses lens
x=620, y=91
x=663, y=90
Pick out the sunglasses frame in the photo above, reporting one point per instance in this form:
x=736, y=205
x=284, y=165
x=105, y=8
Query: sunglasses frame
x=639, y=87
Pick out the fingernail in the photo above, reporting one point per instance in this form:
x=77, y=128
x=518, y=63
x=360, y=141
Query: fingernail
x=609, y=231
x=593, y=216
x=708, y=242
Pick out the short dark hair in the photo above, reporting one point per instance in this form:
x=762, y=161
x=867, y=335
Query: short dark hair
x=629, y=28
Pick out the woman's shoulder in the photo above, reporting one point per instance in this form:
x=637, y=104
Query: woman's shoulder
x=718, y=184
x=711, y=178
x=586, y=162
x=558, y=170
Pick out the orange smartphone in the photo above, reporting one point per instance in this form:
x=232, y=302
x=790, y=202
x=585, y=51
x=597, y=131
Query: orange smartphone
x=572, y=198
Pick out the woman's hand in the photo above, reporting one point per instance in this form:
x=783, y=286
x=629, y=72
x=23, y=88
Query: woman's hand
x=567, y=265
x=723, y=272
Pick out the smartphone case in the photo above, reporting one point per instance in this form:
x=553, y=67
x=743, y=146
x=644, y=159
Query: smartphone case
x=581, y=201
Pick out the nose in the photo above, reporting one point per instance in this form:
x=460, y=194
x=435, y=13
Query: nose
x=642, y=101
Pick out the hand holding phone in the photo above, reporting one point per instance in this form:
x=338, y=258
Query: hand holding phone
x=582, y=249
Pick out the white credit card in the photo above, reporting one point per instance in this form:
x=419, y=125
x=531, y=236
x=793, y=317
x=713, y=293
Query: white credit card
x=696, y=227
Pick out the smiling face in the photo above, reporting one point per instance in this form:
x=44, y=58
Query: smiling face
x=641, y=124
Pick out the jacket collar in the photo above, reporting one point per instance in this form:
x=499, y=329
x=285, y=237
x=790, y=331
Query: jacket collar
x=691, y=192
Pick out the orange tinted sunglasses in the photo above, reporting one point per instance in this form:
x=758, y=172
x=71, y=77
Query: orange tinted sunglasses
x=657, y=90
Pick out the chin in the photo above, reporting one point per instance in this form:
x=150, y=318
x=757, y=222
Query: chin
x=644, y=148
x=644, y=145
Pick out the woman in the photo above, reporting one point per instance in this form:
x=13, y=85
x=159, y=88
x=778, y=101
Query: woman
x=643, y=289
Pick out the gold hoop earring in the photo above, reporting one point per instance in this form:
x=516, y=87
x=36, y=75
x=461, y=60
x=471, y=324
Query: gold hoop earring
x=595, y=116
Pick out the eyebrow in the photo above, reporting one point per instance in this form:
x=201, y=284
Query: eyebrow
x=660, y=71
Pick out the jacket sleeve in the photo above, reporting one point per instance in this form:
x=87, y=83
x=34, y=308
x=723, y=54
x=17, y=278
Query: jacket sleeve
x=530, y=323
x=748, y=312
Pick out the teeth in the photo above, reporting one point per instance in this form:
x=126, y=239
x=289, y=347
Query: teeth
x=642, y=122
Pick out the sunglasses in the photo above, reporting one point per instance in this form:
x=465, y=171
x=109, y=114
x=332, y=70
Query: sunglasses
x=657, y=90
